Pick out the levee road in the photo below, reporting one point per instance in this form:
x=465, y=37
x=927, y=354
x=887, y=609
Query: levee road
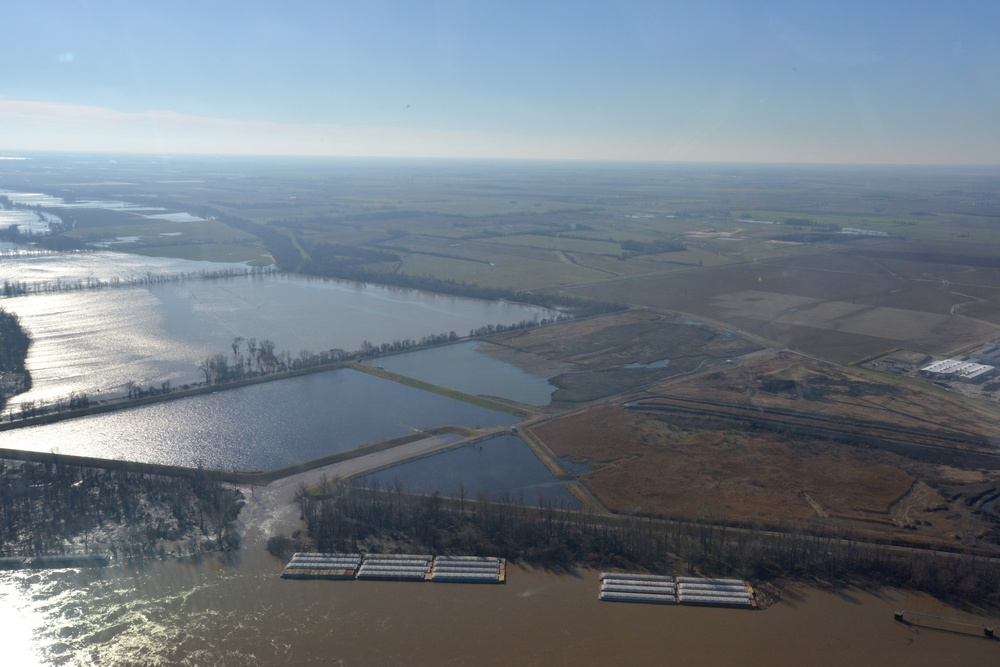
x=365, y=458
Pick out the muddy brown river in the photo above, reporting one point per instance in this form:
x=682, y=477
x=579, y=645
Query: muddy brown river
x=242, y=613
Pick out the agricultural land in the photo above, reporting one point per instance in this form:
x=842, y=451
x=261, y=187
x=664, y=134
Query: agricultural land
x=721, y=378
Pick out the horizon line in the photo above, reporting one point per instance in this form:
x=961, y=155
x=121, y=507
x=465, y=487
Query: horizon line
x=28, y=154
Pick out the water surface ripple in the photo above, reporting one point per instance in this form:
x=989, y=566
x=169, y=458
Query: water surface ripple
x=259, y=427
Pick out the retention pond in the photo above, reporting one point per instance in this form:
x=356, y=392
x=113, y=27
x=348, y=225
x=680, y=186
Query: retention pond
x=258, y=427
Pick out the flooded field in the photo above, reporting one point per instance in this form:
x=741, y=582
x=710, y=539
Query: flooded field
x=27, y=222
x=96, y=341
x=466, y=368
x=259, y=427
x=501, y=465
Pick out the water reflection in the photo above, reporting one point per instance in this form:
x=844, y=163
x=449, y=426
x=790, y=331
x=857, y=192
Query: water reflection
x=102, y=265
x=51, y=201
x=27, y=222
x=465, y=368
x=95, y=341
x=259, y=427
x=182, y=614
x=22, y=622
x=498, y=466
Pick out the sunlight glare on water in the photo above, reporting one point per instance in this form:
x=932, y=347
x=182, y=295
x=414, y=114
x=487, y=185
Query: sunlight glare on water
x=96, y=341
x=21, y=622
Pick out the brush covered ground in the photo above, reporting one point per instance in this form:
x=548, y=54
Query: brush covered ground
x=719, y=463
x=610, y=354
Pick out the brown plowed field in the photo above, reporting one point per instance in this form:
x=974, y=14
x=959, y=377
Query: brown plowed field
x=842, y=306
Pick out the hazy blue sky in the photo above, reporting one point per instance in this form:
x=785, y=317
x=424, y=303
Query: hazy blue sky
x=875, y=81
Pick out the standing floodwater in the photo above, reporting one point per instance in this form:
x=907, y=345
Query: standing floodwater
x=259, y=427
x=96, y=341
x=499, y=467
x=466, y=368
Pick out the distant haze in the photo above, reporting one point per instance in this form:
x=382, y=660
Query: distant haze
x=845, y=82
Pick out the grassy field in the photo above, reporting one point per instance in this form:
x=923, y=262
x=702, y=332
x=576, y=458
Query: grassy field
x=693, y=469
x=566, y=244
x=521, y=274
x=207, y=240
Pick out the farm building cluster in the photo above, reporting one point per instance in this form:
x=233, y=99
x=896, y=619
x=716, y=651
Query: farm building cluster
x=976, y=367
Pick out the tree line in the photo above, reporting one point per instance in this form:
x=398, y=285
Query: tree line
x=336, y=261
x=13, y=288
x=75, y=400
x=633, y=247
x=364, y=516
x=53, y=240
x=255, y=358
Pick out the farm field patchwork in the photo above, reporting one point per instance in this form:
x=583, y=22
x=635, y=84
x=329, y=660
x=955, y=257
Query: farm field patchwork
x=836, y=306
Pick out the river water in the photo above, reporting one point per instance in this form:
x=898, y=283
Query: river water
x=208, y=614
x=242, y=613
